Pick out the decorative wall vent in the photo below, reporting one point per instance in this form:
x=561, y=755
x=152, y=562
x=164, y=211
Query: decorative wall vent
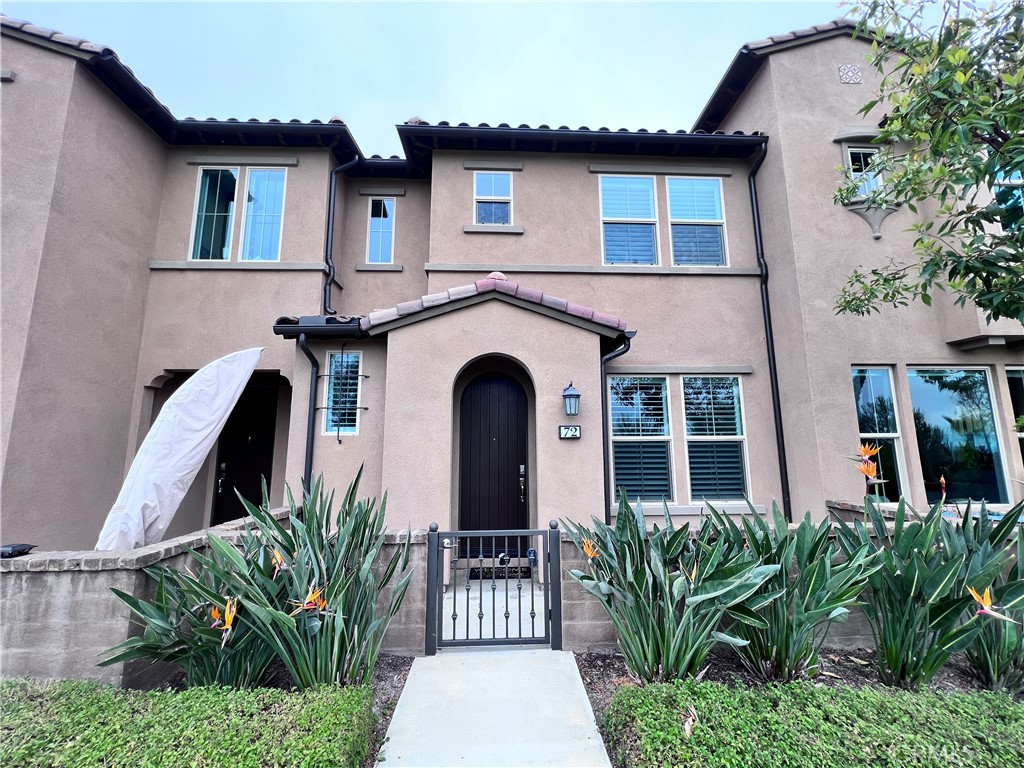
x=849, y=74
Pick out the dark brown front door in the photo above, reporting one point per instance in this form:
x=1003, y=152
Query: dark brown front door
x=245, y=451
x=493, y=461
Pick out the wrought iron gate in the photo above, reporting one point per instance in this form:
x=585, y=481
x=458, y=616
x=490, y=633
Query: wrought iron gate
x=493, y=588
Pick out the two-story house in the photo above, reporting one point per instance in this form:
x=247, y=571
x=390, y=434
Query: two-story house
x=430, y=318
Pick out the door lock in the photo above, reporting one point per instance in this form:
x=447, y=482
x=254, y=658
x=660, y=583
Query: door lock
x=522, y=489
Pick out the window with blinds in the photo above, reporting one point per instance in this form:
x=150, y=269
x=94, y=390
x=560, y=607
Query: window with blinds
x=698, y=224
x=714, y=438
x=641, y=437
x=629, y=220
x=341, y=394
x=492, y=198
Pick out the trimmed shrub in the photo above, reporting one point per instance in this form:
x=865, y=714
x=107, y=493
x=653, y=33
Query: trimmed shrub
x=81, y=725
x=799, y=725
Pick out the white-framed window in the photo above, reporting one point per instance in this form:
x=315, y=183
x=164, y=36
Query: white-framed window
x=697, y=220
x=879, y=424
x=380, y=231
x=1015, y=380
x=715, y=438
x=341, y=393
x=263, y=214
x=215, y=214
x=629, y=220
x=859, y=159
x=957, y=438
x=641, y=437
x=492, y=197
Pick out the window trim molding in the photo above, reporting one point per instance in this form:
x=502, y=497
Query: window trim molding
x=369, y=224
x=741, y=438
x=669, y=437
x=902, y=469
x=325, y=432
x=725, y=232
x=494, y=199
x=603, y=220
x=195, y=212
x=988, y=370
x=245, y=216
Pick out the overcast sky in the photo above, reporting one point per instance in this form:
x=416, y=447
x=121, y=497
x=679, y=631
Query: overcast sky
x=620, y=65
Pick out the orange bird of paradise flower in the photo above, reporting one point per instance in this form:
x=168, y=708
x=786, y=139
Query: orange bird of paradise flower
x=866, y=451
x=590, y=549
x=313, y=602
x=868, y=468
x=985, y=601
x=215, y=615
x=279, y=564
x=230, y=608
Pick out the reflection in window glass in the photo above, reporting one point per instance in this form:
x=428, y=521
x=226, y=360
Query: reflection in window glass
x=493, y=198
x=876, y=417
x=215, y=212
x=1009, y=194
x=956, y=435
x=1015, y=378
x=381, y=241
x=264, y=209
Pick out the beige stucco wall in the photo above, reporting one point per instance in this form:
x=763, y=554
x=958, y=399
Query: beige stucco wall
x=77, y=242
x=811, y=246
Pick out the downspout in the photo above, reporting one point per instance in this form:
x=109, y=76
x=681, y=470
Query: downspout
x=766, y=310
x=332, y=196
x=618, y=352
x=314, y=377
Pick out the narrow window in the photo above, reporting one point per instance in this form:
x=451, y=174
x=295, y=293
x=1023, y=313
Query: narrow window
x=1015, y=378
x=264, y=209
x=714, y=438
x=698, y=225
x=493, y=197
x=629, y=220
x=215, y=214
x=341, y=407
x=859, y=161
x=878, y=425
x=380, y=243
x=956, y=435
x=640, y=437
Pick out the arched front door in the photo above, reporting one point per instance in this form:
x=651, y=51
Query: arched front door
x=494, y=461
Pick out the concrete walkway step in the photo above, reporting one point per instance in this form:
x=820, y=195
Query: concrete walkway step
x=494, y=708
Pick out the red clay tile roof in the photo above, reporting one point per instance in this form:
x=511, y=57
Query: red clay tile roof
x=495, y=283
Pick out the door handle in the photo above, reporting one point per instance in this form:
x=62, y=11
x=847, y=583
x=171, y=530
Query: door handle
x=522, y=489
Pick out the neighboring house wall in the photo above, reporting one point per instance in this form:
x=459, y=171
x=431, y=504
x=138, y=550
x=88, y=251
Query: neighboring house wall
x=812, y=245
x=68, y=426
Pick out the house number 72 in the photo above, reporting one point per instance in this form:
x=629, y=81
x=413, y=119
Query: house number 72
x=571, y=432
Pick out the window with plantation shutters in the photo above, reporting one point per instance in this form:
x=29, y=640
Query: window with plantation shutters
x=641, y=437
x=629, y=220
x=714, y=438
x=698, y=224
x=341, y=393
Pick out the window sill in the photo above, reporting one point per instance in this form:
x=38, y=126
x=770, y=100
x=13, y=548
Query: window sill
x=596, y=270
x=265, y=266
x=378, y=267
x=492, y=229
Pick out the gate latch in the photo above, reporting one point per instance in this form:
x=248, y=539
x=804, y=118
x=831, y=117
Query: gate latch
x=448, y=543
x=531, y=556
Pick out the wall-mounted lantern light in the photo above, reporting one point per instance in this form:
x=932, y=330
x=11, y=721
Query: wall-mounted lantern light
x=571, y=396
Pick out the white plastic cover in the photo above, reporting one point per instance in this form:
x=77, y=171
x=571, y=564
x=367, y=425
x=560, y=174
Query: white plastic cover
x=174, y=450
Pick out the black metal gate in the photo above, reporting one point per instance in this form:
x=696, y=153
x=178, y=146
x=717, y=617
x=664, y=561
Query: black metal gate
x=499, y=587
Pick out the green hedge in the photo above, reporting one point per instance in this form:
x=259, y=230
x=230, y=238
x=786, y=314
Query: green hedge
x=80, y=724
x=800, y=724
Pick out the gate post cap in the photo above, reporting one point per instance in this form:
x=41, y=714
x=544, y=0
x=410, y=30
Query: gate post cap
x=433, y=527
x=554, y=525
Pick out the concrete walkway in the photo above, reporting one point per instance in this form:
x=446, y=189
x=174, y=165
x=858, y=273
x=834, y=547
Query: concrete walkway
x=501, y=708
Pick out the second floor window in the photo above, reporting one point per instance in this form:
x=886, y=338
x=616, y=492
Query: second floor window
x=380, y=239
x=698, y=224
x=492, y=198
x=629, y=220
x=1009, y=194
x=262, y=214
x=859, y=161
x=215, y=214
